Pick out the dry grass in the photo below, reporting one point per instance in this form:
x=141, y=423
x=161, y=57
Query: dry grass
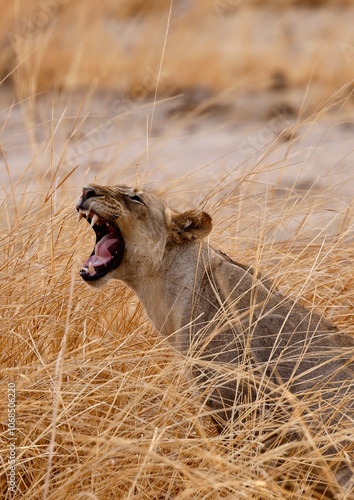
x=239, y=46
x=104, y=408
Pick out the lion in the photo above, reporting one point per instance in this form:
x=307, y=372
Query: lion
x=246, y=341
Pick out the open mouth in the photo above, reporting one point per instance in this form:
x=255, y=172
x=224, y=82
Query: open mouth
x=108, y=250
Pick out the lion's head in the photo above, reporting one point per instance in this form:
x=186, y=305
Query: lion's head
x=133, y=229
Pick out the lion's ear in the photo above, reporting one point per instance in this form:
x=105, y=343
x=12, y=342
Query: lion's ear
x=190, y=224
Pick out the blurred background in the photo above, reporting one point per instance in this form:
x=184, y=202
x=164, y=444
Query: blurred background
x=200, y=90
x=212, y=45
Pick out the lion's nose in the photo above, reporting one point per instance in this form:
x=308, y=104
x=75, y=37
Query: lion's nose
x=88, y=192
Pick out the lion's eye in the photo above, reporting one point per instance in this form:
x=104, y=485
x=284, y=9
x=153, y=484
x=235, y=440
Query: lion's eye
x=136, y=199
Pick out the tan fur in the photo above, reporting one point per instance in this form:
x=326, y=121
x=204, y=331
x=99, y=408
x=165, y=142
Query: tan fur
x=246, y=340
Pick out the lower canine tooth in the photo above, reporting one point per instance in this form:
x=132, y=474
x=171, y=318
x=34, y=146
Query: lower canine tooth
x=91, y=269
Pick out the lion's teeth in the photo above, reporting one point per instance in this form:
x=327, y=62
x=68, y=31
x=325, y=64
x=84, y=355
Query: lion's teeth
x=91, y=269
x=94, y=219
x=79, y=216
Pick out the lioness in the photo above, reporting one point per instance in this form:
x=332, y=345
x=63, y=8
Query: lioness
x=221, y=315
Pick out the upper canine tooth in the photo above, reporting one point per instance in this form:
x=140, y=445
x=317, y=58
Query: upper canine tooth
x=79, y=216
x=94, y=219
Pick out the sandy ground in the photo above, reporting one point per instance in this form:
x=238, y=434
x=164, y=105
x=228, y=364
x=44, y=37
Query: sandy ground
x=175, y=138
x=188, y=143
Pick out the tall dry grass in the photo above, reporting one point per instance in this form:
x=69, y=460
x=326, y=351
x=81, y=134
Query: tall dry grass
x=216, y=45
x=104, y=409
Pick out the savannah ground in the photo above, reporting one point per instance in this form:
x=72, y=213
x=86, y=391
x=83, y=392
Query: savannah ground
x=243, y=108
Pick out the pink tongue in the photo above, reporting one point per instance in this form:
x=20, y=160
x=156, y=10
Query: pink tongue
x=103, y=251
